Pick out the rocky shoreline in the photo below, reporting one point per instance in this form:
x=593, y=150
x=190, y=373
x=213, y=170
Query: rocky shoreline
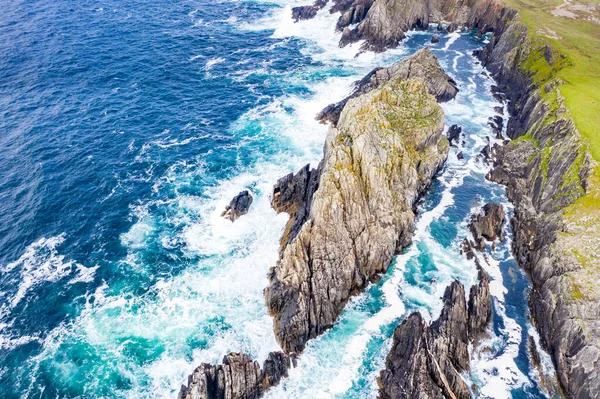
x=355, y=211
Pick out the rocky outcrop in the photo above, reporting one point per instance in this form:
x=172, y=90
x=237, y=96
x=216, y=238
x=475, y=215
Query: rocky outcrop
x=353, y=11
x=238, y=377
x=293, y=195
x=488, y=224
x=307, y=12
x=239, y=205
x=546, y=171
x=387, y=147
x=453, y=134
x=427, y=361
x=387, y=21
x=423, y=64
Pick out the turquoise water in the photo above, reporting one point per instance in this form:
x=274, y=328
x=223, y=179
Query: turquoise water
x=126, y=129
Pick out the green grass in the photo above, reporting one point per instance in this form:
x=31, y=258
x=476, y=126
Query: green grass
x=580, y=42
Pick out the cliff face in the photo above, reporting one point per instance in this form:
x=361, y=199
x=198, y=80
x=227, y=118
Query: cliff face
x=547, y=168
x=387, y=147
x=423, y=64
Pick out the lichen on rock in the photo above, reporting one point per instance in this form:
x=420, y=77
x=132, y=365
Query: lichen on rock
x=387, y=147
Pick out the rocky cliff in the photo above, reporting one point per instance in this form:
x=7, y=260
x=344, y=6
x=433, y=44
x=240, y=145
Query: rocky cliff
x=427, y=361
x=548, y=169
x=387, y=147
x=423, y=64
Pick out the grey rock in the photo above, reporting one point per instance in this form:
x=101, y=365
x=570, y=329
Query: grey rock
x=239, y=205
x=534, y=171
x=435, y=39
x=488, y=225
x=453, y=134
x=293, y=195
x=238, y=377
x=423, y=64
x=353, y=12
x=377, y=163
x=307, y=12
x=426, y=361
x=386, y=22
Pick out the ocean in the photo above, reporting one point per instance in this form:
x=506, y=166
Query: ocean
x=127, y=127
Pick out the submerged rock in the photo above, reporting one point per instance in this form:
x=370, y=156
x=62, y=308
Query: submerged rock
x=238, y=377
x=435, y=39
x=239, y=205
x=423, y=64
x=488, y=225
x=379, y=160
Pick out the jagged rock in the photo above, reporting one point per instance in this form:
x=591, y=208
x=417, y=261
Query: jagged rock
x=499, y=110
x=423, y=64
x=238, y=377
x=460, y=155
x=480, y=307
x=489, y=153
x=565, y=300
x=353, y=11
x=307, y=12
x=386, y=21
x=488, y=225
x=454, y=134
x=533, y=351
x=379, y=160
x=293, y=195
x=426, y=362
x=435, y=39
x=239, y=205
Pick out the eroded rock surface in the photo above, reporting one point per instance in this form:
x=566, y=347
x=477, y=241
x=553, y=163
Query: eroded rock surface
x=239, y=205
x=238, y=377
x=488, y=224
x=387, y=21
x=423, y=64
x=382, y=156
x=427, y=361
x=293, y=195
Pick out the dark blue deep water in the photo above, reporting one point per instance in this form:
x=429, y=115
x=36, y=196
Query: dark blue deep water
x=125, y=128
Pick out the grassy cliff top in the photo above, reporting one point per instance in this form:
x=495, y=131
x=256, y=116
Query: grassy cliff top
x=573, y=28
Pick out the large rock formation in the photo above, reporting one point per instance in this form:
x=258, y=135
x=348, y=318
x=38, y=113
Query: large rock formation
x=546, y=171
x=427, y=361
x=238, y=377
x=382, y=156
x=387, y=21
x=423, y=64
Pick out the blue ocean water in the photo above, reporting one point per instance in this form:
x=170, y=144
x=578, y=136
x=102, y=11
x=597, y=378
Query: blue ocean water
x=127, y=127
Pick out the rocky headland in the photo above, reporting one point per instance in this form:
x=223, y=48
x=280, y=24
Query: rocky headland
x=381, y=157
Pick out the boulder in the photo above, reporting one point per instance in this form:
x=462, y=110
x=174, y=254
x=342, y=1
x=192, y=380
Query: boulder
x=435, y=39
x=453, y=134
x=239, y=205
x=488, y=224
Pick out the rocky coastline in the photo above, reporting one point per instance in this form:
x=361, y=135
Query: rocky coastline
x=351, y=214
